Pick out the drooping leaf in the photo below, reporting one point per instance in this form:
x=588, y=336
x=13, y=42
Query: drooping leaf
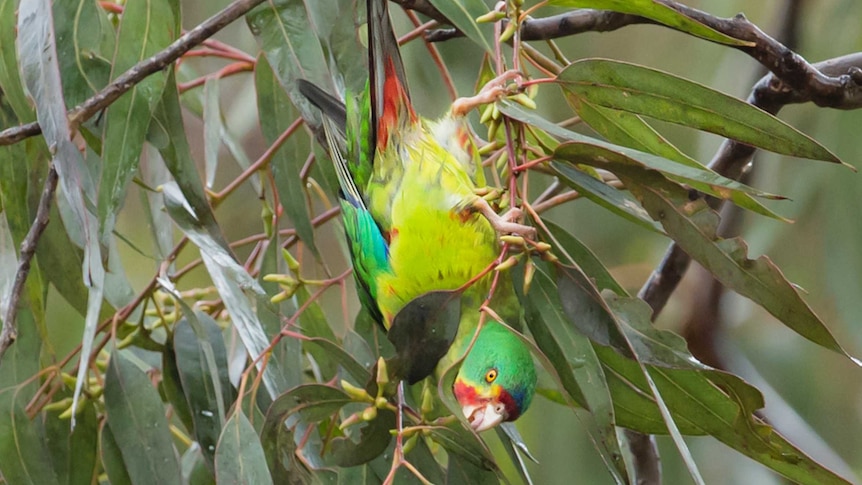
x=171, y=386
x=10, y=81
x=629, y=130
x=38, y=55
x=239, y=456
x=693, y=226
x=706, y=402
x=73, y=454
x=659, y=95
x=112, y=457
x=202, y=365
x=578, y=253
x=276, y=116
x=422, y=332
x=167, y=133
x=212, y=129
x=373, y=440
x=145, y=29
x=705, y=181
x=137, y=419
x=85, y=45
x=576, y=363
x=289, y=40
x=659, y=12
x=617, y=201
x=235, y=286
x=22, y=440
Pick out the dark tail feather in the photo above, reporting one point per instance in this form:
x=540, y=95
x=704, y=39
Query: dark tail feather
x=331, y=106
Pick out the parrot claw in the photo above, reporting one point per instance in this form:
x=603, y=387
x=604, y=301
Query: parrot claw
x=506, y=223
x=490, y=92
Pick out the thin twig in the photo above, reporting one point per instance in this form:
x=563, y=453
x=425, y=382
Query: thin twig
x=28, y=248
x=139, y=71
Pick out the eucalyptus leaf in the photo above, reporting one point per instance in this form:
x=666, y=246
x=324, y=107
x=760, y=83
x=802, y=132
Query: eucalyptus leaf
x=145, y=29
x=137, y=420
x=276, y=115
x=38, y=54
x=239, y=456
x=663, y=96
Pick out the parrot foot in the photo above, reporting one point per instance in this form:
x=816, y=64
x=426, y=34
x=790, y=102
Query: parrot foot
x=490, y=92
x=506, y=223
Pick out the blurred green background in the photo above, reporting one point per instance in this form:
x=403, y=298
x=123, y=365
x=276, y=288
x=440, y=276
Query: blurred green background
x=813, y=397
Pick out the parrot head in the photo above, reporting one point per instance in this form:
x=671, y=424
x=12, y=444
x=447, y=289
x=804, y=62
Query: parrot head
x=497, y=379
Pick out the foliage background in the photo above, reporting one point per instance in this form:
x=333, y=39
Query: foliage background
x=813, y=396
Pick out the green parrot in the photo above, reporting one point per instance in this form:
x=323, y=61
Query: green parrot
x=415, y=224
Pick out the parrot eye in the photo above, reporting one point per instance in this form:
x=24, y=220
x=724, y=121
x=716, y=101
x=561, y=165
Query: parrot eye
x=491, y=375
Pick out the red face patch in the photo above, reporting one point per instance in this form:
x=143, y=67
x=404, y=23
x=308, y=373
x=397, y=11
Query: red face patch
x=465, y=393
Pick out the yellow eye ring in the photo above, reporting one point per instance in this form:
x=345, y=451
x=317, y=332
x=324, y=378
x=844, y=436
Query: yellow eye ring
x=491, y=375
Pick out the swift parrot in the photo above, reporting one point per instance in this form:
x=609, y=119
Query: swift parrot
x=415, y=224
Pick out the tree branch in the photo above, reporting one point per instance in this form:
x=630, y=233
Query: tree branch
x=28, y=248
x=139, y=71
x=842, y=90
x=769, y=94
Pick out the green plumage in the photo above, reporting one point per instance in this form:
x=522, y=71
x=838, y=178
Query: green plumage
x=408, y=192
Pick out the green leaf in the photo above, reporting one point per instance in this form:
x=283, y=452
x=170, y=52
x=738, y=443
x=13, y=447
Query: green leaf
x=373, y=440
x=693, y=226
x=288, y=351
x=194, y=467
x=576, y=363
x=10, y=81
x=422, y=332
x=112, y=457
x=85, y=43
x=463, y=471
x=239, y=456
x=289, y=39
x=463, y=14
x=291, y=415
x=74, y=454
x=22, y=441
x=705, y=181
x=313, y=323
x=661, y=13
x=666, y=97
x=212, y=129
x=38, y=54
x=629, y=130
x=578, y=253
x=616, y=201
x=707, y=402
x=137, y=419
x=202, y=364
x=276, y=115
x=145, y=29
x=235, y=286
x=167, y=133
x=458, y=441
x=172, y=387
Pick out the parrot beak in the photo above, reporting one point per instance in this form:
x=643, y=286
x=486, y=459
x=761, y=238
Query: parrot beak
x=484, y=416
